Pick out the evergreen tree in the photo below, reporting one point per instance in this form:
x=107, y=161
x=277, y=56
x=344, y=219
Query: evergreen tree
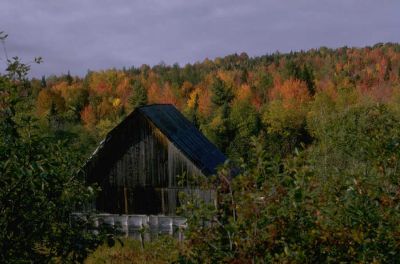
x=292, y=70
x=307, y=75
x=69, y=78
x=224, y=131
x=244, y=76
x=194, y=113
x=219, y=129
x=388, y=70
x=398, y=72
x=221, y=94
x=139, y=96
x=43, y=83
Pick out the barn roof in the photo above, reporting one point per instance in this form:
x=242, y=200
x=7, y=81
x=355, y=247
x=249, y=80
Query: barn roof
x=185, y=136
x=182, y=133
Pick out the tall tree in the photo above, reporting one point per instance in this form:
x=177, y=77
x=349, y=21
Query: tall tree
x=194, y=112
x=69, y=78
x=139, y=96
x=307, y=75
x=221, y=93
x=219, y=129
x=388, y=70
x=43, y=83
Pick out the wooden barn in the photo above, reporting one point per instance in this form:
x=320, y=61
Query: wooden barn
x=139, y=161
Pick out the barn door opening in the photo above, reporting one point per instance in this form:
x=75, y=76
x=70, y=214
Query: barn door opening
x=145, y=200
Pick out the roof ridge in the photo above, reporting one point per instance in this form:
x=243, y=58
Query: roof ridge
x=150, y=105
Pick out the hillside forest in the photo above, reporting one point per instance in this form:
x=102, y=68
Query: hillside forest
x=315, y=135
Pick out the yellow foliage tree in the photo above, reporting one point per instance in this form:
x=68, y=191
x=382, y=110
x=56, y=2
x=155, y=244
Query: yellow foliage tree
x=48, y=99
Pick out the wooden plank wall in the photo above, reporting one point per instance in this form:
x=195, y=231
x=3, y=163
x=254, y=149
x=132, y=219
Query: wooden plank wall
x=144, y=179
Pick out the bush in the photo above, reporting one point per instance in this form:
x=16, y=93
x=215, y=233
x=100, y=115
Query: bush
x=336, y=201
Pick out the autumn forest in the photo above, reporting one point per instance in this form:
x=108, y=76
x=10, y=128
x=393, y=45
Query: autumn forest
x=314, y=135
x=230, y=99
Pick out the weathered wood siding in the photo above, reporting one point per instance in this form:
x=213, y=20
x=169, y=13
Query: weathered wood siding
x=143, y=180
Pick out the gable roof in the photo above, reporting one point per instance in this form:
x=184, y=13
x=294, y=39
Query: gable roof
x=180, y=132
x=185, y=136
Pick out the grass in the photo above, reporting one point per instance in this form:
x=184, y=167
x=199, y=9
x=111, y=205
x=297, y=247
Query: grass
x=163, y=250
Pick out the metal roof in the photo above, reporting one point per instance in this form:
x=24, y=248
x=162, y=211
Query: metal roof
x=185, y=136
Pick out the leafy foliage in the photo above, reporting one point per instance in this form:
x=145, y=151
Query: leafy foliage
x=334, y=202
x=39, y=188
x=139, y=97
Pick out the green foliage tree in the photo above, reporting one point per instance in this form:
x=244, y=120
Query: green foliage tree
x=305, y=73
x=194, y=112
x=139, y=96
x=38, y=185
x=221, y=94
x=292, y=70
x=43, y=82
x=69, y=78
x=304, y=209
x=245, y=122
x=219, y=130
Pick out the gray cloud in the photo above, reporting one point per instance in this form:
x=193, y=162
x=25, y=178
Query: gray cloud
x=78, y=35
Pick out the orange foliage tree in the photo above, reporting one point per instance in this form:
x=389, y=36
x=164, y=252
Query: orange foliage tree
x=292, y=93
x=89, y=116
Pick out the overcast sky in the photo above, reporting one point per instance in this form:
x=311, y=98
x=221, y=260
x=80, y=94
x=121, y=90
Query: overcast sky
x=78, y=35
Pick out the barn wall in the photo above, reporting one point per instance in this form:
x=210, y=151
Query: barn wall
x=144, y=178
x=145, y=162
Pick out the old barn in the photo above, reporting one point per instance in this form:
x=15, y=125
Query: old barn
x=138, y=163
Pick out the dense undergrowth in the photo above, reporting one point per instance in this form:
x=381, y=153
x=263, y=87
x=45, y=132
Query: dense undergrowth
x=162, y=250
x=335, y=202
